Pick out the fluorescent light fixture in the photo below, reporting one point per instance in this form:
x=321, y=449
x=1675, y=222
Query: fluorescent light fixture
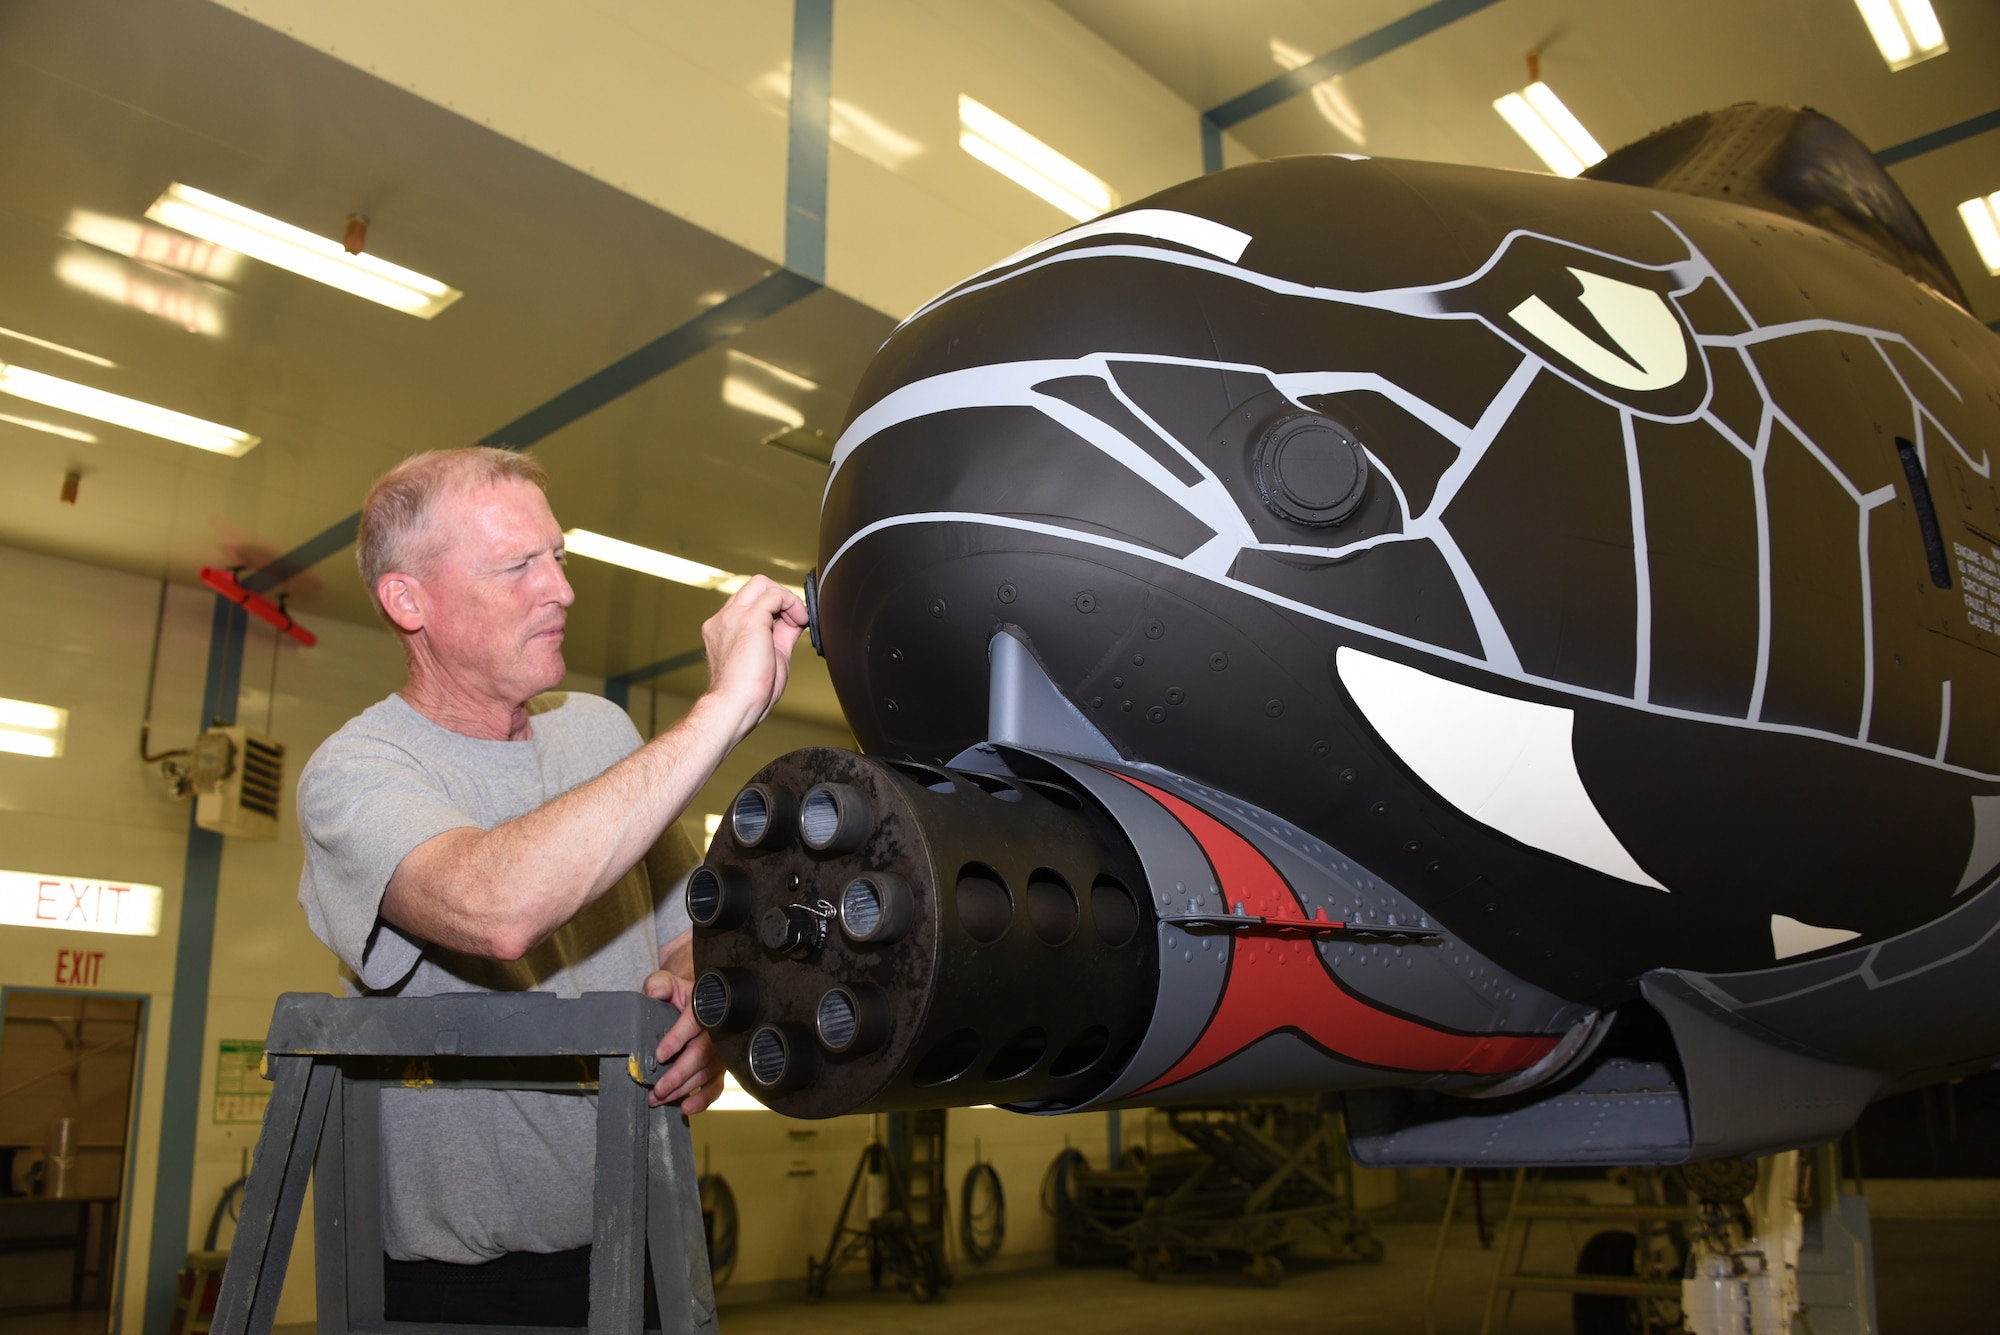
x=118, y=410
x=741, y=390
x=63, y=348
x=1030, y=163
x=1982, y=219
x=319, y=258
x=777, y=373
x=1329, y=96
x=66, y=432
x=153, y=245
x=1906, y=32
x=618, y=552
x=29, y=729
x=848, y=125
x=1550, y=128
x=187, y=302
x=76, y=904
x=738, y=392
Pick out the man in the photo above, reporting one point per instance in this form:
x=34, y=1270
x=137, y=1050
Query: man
x=473, y=833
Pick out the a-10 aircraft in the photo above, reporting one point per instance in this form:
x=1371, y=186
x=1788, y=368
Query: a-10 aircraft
x=1520, y=651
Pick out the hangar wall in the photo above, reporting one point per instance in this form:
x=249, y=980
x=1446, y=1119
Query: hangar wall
x=81, y=634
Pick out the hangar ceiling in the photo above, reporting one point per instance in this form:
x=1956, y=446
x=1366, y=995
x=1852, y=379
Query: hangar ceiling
x=563, y=274
x=1625, y=69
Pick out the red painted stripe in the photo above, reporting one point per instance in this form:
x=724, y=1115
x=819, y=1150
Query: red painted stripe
x=1281, y=983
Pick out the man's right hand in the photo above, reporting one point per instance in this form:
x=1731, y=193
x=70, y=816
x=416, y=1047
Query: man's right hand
x=749, y=645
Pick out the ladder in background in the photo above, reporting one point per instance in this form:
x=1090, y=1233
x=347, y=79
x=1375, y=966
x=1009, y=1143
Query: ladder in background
x=1531, y=1205
x=328, y=1059
x=919, y=1152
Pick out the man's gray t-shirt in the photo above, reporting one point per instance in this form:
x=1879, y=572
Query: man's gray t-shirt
x=470, y=1174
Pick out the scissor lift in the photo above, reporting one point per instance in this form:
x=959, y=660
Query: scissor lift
x=1259, y=1180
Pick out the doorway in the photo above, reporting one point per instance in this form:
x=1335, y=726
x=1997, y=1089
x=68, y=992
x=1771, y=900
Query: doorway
x=68, y=1061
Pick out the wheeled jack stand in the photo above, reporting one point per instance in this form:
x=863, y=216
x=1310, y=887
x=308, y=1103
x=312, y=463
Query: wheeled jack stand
x=328, y=1058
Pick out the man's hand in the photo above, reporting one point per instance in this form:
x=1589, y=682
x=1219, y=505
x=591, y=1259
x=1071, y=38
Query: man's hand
x=749, y=645
x=694, y=1078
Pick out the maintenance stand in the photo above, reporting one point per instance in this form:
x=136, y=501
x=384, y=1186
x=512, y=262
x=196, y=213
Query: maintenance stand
x=328, y=1059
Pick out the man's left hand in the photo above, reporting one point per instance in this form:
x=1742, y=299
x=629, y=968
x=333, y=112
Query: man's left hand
x=694, y=1077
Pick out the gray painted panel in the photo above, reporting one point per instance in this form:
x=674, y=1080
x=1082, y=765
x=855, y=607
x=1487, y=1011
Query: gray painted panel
x=1745, y=1096
x=1622, y=1112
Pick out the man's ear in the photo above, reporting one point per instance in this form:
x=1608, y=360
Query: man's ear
x=402, y=598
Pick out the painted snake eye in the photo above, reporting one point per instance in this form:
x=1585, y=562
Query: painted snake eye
x=1647, y=350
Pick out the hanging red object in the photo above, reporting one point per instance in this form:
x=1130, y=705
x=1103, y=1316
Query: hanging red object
x=256, y=604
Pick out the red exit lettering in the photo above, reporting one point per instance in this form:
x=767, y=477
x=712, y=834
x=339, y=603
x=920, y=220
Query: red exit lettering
x=79, y=968
x=86, y=902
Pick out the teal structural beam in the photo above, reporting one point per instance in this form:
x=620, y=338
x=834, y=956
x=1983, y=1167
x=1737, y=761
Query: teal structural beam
x=187, y=1022
x=811, y=133
x=618, y=689
x=1373, y=46
x=1211, y=147
x=1936, y=139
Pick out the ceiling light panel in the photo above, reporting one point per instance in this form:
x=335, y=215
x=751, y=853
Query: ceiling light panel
x=36, y=424
x=1550, y=128
x=1982, y=220
x=68, y=396
x=307, y=254
x=1906, y=32
x=739, y=392
x=1030, y=163
x=744, y=361
x=647, y=561
x=29, y=729
x=62, y=348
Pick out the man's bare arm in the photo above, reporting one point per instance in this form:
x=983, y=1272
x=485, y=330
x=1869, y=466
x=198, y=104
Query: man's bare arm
x=498, y=893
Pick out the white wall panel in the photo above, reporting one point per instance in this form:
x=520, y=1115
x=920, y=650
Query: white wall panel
x=654, y=98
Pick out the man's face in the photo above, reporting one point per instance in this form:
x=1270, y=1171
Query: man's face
x=496, y=597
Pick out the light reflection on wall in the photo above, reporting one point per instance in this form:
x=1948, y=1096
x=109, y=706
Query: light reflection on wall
x=851, y=127
x=153, y=244
x=190, y=303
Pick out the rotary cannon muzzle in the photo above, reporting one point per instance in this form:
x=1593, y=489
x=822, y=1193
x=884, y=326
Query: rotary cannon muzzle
x=921, y=937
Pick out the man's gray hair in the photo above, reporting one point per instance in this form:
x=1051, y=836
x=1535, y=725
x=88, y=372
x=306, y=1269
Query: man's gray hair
x=395, y=519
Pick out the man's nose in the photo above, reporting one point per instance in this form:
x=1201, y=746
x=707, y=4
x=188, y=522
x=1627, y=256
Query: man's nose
x=560, y=592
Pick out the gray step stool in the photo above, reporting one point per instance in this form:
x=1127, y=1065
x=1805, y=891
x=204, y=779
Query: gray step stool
x=328, y=1058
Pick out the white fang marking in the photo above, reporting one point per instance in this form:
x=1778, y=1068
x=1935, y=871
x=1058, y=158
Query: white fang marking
x=1791, y=937
x=1985, y=842
x=1635, y=317
x=1504, y=762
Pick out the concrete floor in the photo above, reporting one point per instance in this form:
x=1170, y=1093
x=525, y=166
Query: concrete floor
x=1932, y=1276
x=1316, y=1297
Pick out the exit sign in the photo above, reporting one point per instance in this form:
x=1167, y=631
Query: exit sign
x=75, y=904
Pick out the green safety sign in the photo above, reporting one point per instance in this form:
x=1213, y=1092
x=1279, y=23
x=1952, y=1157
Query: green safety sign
x=241, y=1094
